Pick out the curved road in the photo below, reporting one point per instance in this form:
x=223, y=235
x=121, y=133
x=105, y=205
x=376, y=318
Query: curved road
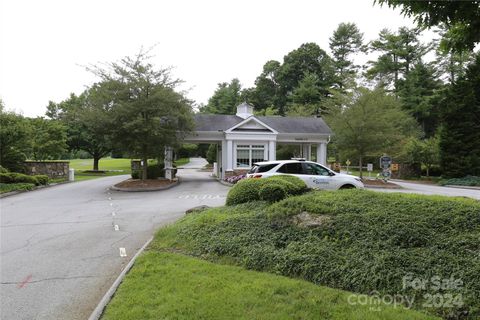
x=60, y=249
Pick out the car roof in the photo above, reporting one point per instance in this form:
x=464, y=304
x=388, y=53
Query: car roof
x=264, y=163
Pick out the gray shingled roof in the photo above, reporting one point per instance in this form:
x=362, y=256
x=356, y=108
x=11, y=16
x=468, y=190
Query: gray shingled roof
x=217, y=122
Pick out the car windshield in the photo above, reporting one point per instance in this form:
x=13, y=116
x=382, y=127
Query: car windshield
x=262, y=168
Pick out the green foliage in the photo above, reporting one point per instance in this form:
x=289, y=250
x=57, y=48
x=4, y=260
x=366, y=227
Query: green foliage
x=147, y=113
x=212, y=153
x=346, y=41
x=461, y=17
x=225, y=99
x=245, y=190
x=249, y=190
x=9, y=187
x=187, y=150
x=426, y=152
x=41, y=179
x=3, y=170
x=296, y=185
x=418, y=94
x=399, y=51
x=460, y=131
x=273, y=191
x=14, y=177
x=155, y=171
x=14, y=140
x=47, y=138
x=472, y=181
x=372, y=122
x=364, y=241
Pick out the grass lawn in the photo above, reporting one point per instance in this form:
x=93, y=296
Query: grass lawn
x=182, y=161
x=173, y=286
x=104, y=164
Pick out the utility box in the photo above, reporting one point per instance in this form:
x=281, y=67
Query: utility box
x=71, y=174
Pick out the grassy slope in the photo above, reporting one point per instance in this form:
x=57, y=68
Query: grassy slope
x=172, y=286
x=370, y=241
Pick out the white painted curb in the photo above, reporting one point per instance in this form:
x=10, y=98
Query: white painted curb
x=97, y=313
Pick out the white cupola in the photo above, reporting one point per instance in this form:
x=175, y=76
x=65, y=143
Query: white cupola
x=244, y=110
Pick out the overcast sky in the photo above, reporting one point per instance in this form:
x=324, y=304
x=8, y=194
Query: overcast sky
x=45, y=44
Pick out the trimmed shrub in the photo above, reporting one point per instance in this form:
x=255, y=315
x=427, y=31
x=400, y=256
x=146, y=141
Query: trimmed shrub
x=155, y=171
x=14, y=177
x=9, y=187
x=42, y=179
x=472, y=181
x=245, y=190
x=3, y=170
x=135, y=174
x=296, y=185
x=273, y=191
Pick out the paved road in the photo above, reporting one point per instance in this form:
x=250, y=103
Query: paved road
x=60, y=251
x=409, y=187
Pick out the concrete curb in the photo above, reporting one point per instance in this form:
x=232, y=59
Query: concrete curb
x=461, y=187
x=12, y=193
x=146, y=189
x=98, y=311
x=224, y=183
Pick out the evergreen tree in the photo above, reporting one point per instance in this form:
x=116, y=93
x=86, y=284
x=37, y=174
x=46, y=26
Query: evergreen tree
x=460, y=132
x=225, y=99
x=347, y=40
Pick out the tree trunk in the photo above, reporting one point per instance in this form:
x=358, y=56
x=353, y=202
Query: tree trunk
x=360, y=162
x=428, y=171
x=96, y=159
x=144, y=167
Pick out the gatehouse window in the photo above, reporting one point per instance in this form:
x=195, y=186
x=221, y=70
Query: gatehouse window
x=248, y=154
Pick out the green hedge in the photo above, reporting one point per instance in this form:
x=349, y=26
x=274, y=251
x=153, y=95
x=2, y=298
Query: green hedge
x=154, y=171
x=248, y=190
x=9, y=187
x=13, y=177
x=471, y=181
x=366, y=241
x=273, y=191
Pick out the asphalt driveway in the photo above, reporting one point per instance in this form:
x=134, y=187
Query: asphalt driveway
x=62, y=247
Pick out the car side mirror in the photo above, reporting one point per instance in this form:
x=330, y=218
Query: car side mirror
x=331, y=174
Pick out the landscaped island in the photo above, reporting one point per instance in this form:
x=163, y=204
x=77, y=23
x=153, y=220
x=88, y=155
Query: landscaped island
x=379, y=246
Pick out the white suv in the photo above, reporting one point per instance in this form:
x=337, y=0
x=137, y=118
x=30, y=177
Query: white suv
x=313, y=174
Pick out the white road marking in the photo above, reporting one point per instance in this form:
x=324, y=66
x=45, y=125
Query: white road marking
x=111, y=204
x=109, y=198
x=113, y=214
x=123, y=252
x=200, y=196
x=116, y=227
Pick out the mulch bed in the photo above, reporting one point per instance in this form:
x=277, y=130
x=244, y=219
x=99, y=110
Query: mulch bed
x=144, y=184
x=380, y=184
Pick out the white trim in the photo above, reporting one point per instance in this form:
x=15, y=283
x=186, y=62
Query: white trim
x=249, y=143
x=248, y=120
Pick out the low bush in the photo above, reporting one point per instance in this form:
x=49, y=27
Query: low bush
x=247, y=190
x=273, y=191
x=9, y=187
x=364, y=242
x=471, y=181
x=3, y=170
x=155, y=171
x=13, y=177
x=296, y=187
x=41, y=179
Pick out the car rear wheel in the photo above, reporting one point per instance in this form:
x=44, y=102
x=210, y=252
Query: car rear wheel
x=347, y=186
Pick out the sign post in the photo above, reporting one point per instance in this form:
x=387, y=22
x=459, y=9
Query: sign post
x=369, y=169
x=385, y=164
x=348, y=164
